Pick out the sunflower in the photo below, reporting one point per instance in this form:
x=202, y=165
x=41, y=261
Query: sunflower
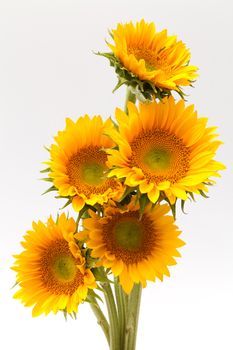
x=78, y=162
x=164, y=147
x=152, y=56
x=51, y=271
x=136, y=248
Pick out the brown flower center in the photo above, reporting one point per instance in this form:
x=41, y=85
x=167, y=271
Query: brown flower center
x=86, y=171
x=161, y=156
x=59, y=273
x=129, y=238
x=153, y=59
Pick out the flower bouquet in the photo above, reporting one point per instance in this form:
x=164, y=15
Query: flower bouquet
x=124, y=178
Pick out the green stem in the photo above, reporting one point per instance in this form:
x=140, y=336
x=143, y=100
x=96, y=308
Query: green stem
x=101, y=319
x=129, y=97
x=113, y=319
x=133, y=315
x=119, y=293
x=126, y=313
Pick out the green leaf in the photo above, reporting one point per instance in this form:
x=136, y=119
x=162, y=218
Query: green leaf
x=92, y=294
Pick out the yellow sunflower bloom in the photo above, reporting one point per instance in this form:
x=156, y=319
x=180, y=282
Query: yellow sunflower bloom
x=51, y=271
x=164, y=147
x=78, y=162
x=153, y=56
x=136, y=248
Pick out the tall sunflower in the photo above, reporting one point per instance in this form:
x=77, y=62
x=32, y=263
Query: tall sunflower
x=78, y=162
x=51, y=271
x=152, y=56
x=136, y=248
x=164, y=147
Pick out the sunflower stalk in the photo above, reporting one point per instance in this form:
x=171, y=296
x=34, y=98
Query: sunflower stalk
x=119, y=294
x=101, y=319
x=130, y=96
x=112, y=314
x=133, y=317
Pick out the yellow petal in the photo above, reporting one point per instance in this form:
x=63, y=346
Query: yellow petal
x=78, y=203
x=153, y=195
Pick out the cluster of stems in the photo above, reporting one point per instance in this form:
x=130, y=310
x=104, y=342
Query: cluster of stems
x=121, y=327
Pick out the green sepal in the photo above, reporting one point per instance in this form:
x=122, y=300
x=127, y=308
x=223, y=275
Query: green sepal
x=99, y=208
x=50, y=189
x=83, y=214
x=208, y=183
x=126, y=197
x=116, y=126
x=47, y=179
x=47, y=149
x=173, y=209
x=202, y=193
x=143, y=201
x=73, y=315
x=110, y=33
x=191, y=196
x=65, y=313
x=128, y=191
x=144, y=90
x=69, y=201
x=45, y=170
x=99, y=276
x=14, y=285
x=182, y=206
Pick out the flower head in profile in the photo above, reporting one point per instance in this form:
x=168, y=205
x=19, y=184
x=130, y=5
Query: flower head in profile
x=51, y=271
x=78, y=163
x=164, y=149
x=141, y=54
x=136, y=248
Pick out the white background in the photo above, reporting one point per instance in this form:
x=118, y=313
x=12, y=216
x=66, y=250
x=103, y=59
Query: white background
x=48, y=72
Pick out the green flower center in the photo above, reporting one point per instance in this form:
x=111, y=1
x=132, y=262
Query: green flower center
x=64, y=268
x=157, y=159
x=129, y=234
x=93, y=173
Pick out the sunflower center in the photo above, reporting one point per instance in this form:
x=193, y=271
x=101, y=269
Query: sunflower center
x=59, y=273
x=149, y=56
x=92, y=173
x=128, y=234
x=157, y=159
x=129, y=238
x=64, y=268
x=161, y=156
x=86, y=171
